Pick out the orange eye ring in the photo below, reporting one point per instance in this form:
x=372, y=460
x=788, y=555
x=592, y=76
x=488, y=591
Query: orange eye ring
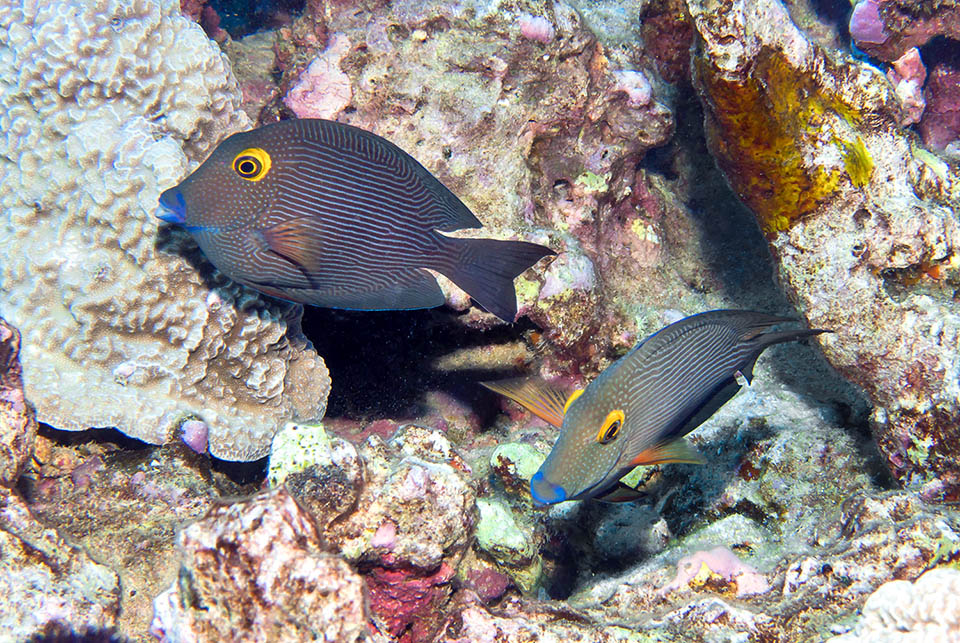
x=252, y=164
x=610, y=427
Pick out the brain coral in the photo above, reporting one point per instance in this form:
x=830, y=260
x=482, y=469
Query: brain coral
x=103, y=104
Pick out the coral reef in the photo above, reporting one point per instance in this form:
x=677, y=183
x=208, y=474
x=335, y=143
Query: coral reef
x=124, y=325
x=886, y=29
x=18, y=425
x=403, y=514
x=860, y=225
x=255, y=570
x=940, y=125
x=901, y=611
x=407, y=517
x=45, y=580
x=90, y=491
x=531, y=120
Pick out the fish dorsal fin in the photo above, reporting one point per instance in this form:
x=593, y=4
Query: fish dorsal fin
x=298, y=240
x=675, y=451
x=534, y=394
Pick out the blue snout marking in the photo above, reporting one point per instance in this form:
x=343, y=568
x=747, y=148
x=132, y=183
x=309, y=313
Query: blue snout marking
x=545, y=492
x=173, y=209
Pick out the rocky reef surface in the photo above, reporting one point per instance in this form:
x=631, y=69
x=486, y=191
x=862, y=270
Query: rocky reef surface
x=797, y=157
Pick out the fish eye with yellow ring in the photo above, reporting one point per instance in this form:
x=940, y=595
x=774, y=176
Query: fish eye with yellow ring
x=611, y=427
x=252, y=163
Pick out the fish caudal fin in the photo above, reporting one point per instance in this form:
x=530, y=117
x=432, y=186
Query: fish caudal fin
x=486, y=268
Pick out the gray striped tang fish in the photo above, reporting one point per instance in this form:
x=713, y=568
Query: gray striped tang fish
x=640, y=407
x=323, y=213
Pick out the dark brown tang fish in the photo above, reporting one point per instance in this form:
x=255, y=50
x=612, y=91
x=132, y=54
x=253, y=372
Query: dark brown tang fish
x=327, y=214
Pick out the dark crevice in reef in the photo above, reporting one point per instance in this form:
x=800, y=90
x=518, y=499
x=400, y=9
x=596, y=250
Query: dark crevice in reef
x=99, y=436
x=242, y=17
x=737, y=252
x=382, y=362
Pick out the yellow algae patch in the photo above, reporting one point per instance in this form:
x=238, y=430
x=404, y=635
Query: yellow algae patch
x=704, y=576
x=644, y=231
x=858, y=162
x=761, y=128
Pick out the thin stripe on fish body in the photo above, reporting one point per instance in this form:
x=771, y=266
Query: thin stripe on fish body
x=637, y=410
x=335, y=216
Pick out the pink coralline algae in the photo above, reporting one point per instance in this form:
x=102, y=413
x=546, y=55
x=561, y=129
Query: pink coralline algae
x=635, y=85
x=722, y=562
x=886, y=29
x=204, y=15
x=908, y=75
x=385, y=536
x=941, y=119
x=489, y=584
x=407, y=601
x=537, y=28
x=323, y=90
x=194, y=435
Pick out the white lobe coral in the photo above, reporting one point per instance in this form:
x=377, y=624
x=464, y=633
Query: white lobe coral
x=104, y=104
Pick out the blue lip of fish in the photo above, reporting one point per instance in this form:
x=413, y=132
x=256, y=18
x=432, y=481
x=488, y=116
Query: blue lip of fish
x=173, y=208
x=638, y=410
x=322, y=213
x=545, y=492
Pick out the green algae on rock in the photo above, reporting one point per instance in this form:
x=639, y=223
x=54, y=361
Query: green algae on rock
x=499, y=535
x=514, y=463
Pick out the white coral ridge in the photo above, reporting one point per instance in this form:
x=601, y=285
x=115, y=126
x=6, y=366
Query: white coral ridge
x=103, y=104
x=927, y=611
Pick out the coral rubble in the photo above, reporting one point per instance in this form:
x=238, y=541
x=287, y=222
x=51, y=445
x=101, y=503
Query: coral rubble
x=124, y=325
x=255, y=570
x=45, y=580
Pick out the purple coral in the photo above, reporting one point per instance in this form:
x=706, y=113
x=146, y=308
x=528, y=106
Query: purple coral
x=194, y=434
x=865, y=23
x=940, y=125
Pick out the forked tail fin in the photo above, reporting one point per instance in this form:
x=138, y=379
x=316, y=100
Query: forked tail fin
x=486, y=268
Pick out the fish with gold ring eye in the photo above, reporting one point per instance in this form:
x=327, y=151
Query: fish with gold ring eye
x=323, y=213
x=638, y=409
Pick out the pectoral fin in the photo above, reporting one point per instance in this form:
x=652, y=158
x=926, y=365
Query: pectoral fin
x=298, y=241
x=535, y=395
x=675, y=451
